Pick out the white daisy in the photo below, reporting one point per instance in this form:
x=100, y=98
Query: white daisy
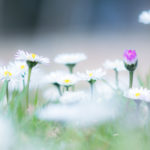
x=115, y=65
x=8, y=73
x=73, y=97
x=92, y=75
x=21, y=67
x=80, y=114
x=138, y=94
x=54, y=77
x=70, y=59
x=7, y=133
x=31, y=57
x=51, y=94
x=68, y=80
x=144, y=17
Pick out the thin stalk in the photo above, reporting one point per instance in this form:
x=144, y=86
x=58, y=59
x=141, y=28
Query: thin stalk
x=59, y=89
x=71, y=69
x=117, y=78
x=7, y=91
x=23, y=82
x=67, y=88
x=92, y=89
x=130, y=79
x=28, y=83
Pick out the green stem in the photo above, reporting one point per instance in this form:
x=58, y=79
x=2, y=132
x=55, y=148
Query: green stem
x=59, y=89
x=71, y=70
x=92, y=89
x=117, y=78
x=28, y=83
x=7, y=91
x=67, y=88
x=131, y=79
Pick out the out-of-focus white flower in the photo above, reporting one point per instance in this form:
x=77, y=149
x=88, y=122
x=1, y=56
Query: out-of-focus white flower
x=115, y=65
x=31, y=57
x=51, y=94
x=54, y=77
x=144, y=17
x=36, y=79
x=20, y=67
x=68, y=80
x=74, y=97
x=68, y=59
x=138, y=94
x=92, y=75
x=6, y=134
x=8, y=73
x=104, y=91
x=83, y=114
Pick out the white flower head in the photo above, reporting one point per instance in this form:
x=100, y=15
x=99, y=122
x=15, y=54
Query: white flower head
x=20, y=66
x=70, y=59
x=68, y=80
x=144, y=17
x=8, y=73
x=115, y=65
x=54, y=77
x=31, y=57
x=70, y=97
x=51, y=94
x=7, y=134
x=92, y=75
x=80, y=114
x=138, y=94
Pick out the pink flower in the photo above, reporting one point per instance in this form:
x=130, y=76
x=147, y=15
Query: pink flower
x=130, y=57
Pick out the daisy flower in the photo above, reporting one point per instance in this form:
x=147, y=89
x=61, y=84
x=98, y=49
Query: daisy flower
x=51, y=94
x=70, y=60
x=130, y=61
x=117, y=66
x=130, y=57
x=68, y=80
x=92, y=76
x=54, y=78
x=144, y=17
x=10, y=75
x=114, y=65
x=31, y=58
x=21, y=67
x=7, y=138
x=80, y=114
x=138, y=94
x=70, y=97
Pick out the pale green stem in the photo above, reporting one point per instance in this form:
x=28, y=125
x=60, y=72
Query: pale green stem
x=92, y=89
x=7, y=91
x=28, y=83
x=117, y=78
x=67, y=88
x=130, y=79
x=59, y=89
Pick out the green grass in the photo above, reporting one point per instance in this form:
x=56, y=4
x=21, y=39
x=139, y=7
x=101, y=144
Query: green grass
x=32, y=133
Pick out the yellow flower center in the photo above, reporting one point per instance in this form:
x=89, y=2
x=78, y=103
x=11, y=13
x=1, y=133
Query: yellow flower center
x=7, y=73
x=67, y=81
x=137, y=94
x=22, y=66
x=33, y=55
x=90, y=74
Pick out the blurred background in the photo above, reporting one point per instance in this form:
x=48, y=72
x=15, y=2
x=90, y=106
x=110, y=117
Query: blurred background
x=102, y=29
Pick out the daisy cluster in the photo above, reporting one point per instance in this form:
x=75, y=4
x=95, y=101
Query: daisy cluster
x=24, y=71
